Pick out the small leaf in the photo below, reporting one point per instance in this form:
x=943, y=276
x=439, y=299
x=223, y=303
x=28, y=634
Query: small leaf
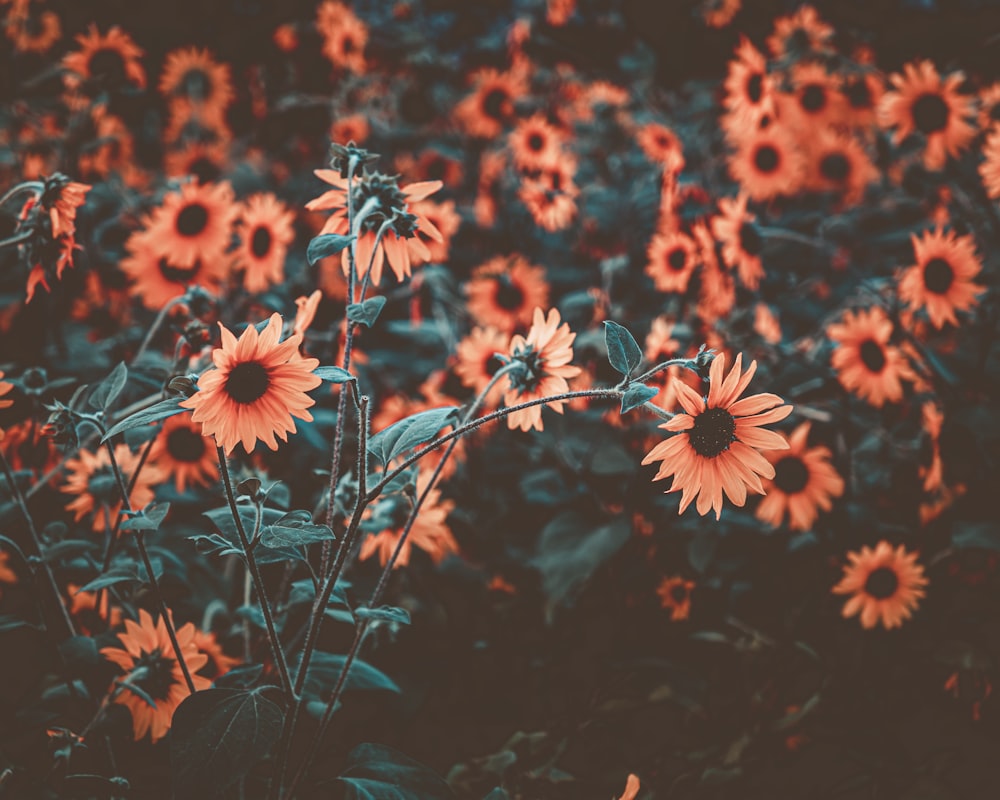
x=162, y=410
x=149, y=519
x=333, y=374
x=295, y=529
x=623, y=351
x=377, y=772
x=409, y=432
x=398, y=616
x=367, y=312
x=637, y=394
x=328, y=244
x=217, y=736
x=107, y=391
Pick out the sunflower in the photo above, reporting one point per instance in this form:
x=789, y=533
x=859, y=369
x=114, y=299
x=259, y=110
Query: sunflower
x=675, y=594
x=672, y=257
x=750, y=94
x=661, y=145
x=91, y=480
x=886, y=585
x=866, y=363
x=535, y=142
x=445, y=220
x=477, y=362
x=922, y=102
x=660, y=345
x=713, y=447
x=717, y=290
x=83, y=607
x=550, y=197
x=989, y=170
x=543, y=367
x=266, y=230
x=147, y=656
x=193, y=76
x=352, y=128
x=181, y=450
x=105, y=60
x=206, y=642
x=504, y=291
x=430, y=165
x=204, y=161
x=804, y=481
x=193, y=223
x=837, y=162
x=257, y=386
x=344, y=36
x=388, y=198
x=862, y=93
x=767, y=164
x=815, y=101
x=490, y=107
x=429, y=532
x=34, y=33
x=989, y=106
x=157, y=279
x=799, y=34
x=941, y=280
x=742, y=242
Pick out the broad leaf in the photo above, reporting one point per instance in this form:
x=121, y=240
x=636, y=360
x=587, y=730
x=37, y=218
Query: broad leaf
x=217, y=736
x=409, y=432
x=149, y=519
x=377, y=772
x=162, y=410
x=367, y=312
x=325, y=668
x=637, y=394
x=327, y=244
x=333, y=374
x=623, y=351
x=107, y=391
x=229, y=542
x=295, y=529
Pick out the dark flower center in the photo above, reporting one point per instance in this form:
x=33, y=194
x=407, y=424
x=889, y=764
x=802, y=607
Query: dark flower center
x=678, y=593
x=204, y=169
x=798, y=41
x=813, y=98
x=835, y=167
x=108, y=65
x=175, y=274
x=755, y=87
x=509, y=295
x=536, y=142
x=930, y=113
x=872, y=355
x=347, y=45
x=938, y=276
x=750, y=239
x=185, y=445
x=437, y=168
x=677, y=259
x=766, y=158
x=491, y=364
x=248, y=382
x=192, y=219
x=995, y=112
x=791, y=475
x=714, y=430
x=495, y=103
x=196, y=84
x=260, y=242
x=157, y=678
x=882, y=583
x=858, y=94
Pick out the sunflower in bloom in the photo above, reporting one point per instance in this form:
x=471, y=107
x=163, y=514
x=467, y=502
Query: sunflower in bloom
x=675, y=594
x=885, y=585
x=344, y=36
x=107, y=60
x=181, y=450
x=838, y=163
x=429, y=532
x=543, y=366
x=147, y=656
x=193, y=223
x=386, y=200
x=798, y=34
x=862, y=92
x=742, y=242
x=192, y=77
x=490, y=107
x=715, y=444
x=156, y=278
x=941, y=280
x=504, y=292
x=661, y=145
x=33, y=32
x=673, y=257
x=266, y=230
x=550, y=196
x=477, y=361
x=91, y=481
x=815, y=100
x=804, y=481
x=924, y=103
x=220, y=663
x=750, y=93
x=866, y=363
x=257, y=386
x=535, y=142
x=767, y=164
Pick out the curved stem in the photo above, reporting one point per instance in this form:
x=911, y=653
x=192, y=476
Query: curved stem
x=673, y=362
x=17, y=238
x=156, y=325
x=34, y=186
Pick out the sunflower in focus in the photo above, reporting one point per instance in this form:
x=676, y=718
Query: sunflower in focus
x=149, y=662
x=256, y=387
x=941, y=280
x=742, y=242
x=885, y=585
x=715, y=444
x=541, y=368
x=767, y=164
x=866, y=363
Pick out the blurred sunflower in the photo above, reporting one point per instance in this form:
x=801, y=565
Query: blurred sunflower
x=476, y=361
x=155, y=278
x=661, y=145
x=767, y=163
x=535, y=142
x=866, y=363
x=815, y=100
x=886, y=585
x=345, y=36
x=675, y=595
x=989, y=170
x=91, y=480
x=750, y=93
x=672, y=258
x=108, y=60
x=799, y=34
x=742, y=242
x=550, y=196
x=713, y=447
x=836, y=162
x=490, y=107
x=193, y=223
x=504, y=292
x=266, y=229
x=182, y=451
x=193, y=77
x=941, y=280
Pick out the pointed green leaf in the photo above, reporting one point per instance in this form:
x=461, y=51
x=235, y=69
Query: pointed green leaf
x=637, y=394
x=623, y=351
x=367, y=312
x=162, y=410
x=327, y=244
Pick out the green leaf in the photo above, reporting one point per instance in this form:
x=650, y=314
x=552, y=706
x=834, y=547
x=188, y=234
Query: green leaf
x=217, y=736
x=229, y=542
x=367, y=312
x=122, y=573
x=149, y=519
x=333, y=374
x=409, y=432
x=328, y=244
x=325, y=668
x=162, y=410
x=637, y=394
x=107, y=391
x=623, y=351
x=295, y=529
x=398, y=616
x=377, y=772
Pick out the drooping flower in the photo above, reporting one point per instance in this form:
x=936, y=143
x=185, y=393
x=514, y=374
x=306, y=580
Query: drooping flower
x=543, y=366
x=147, y=656
x=257, y=386
x=865, y=362
x=885, y=585
x=804, y=481
x=716, y=443
x=941, y=280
